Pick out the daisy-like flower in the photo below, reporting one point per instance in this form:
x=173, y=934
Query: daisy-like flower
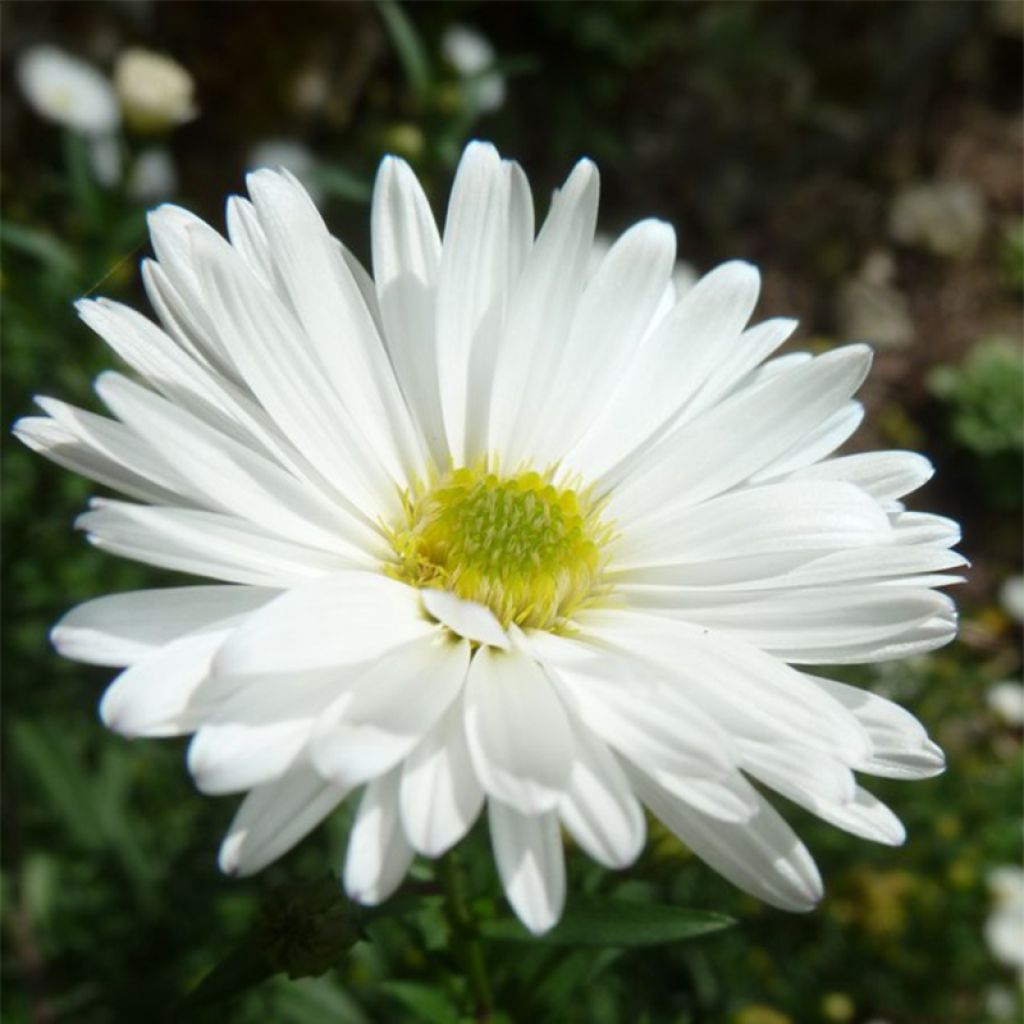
x=493, y=530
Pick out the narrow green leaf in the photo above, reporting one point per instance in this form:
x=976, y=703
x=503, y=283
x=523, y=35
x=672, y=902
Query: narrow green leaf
x=407, y=42
x=595, y=921
x=244, y=967
x=424, y=1002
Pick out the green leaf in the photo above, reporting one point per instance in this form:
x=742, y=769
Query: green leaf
x=407, y=42
x=596, y=921
x=344, y=184
x=40, y=245
x=424, y=1002
x=245, y=966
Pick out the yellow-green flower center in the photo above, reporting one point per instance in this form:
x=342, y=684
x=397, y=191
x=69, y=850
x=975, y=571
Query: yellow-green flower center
x=530, y=551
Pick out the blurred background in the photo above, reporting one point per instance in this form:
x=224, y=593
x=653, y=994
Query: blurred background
x=867, y=156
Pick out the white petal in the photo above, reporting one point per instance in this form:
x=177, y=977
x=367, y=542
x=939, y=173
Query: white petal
x=518, y=734
x=762, y=856
x=471, y=296
x=864, y=816
x=268, y=346
x=528, y=853
x=406, y=258
x=541, y=307
x=671, y=364
x=389, y=709
x=731, y=442
x=274, y=818
x=441, y=796
x=230, y=757
x=599, y=809
x=337, y=326
x=818, y=444
x=469, y=619
x=205, y=544
x=750, y=693
x=338, y=620
x=759, y=520
x=614, y=313
x=837, y=625
x=884, y=475
x=120, y=629
x=231, y=477
x=900, y=745
x=61, y=445
x=378, y=854
x=154, y=696
x=799, y=772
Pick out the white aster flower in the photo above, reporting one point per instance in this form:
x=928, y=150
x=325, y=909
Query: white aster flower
x=65, y=89
x=155, y=91
x=488, y=531
x=1006, y=699
x=473, y=57
x=1004, y=929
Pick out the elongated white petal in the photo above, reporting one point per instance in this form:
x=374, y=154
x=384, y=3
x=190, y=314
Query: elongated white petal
x=528, y=852
x=230, y=757
x=732, y=441
x=884, y=475
x=670, y=366
x=338, y=330
x=519, y=737
x=760, y=520
x=406, y=259
x=205, y=544
x=614, y=313
x=465, y=618
x=343, y=619
x=762, y=856
x=123, y=628
x=541, y=307
x=599, y=808
x=154, y=696
x=274, y=818
x=391, y=707
x=471, y=294
x=441, y=796
x=378, y=854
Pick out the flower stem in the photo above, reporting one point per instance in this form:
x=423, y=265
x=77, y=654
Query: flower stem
x=465, y=937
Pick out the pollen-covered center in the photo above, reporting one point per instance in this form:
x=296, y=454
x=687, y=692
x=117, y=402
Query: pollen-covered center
x=530, y=551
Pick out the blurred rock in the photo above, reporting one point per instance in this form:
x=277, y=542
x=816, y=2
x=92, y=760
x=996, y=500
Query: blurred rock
x=945, y=218
x=869, y=308
x=156, y=92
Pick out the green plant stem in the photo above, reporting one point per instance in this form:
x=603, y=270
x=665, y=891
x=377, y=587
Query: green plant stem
x=465, y=936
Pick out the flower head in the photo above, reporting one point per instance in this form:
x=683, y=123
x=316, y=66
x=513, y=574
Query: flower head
x=156, y=92
x=493, y=529
x=65, y=89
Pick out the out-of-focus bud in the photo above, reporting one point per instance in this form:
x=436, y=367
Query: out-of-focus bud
x=473, y=57
x=156, y=92
x=66, y=90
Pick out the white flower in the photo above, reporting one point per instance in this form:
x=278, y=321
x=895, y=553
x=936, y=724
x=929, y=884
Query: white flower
x=1011, y=597
x=154, y=176
x=472, y=56
x=1004, y=929
x=155, y=91
x=484, y=531
x=65, y=89
x=1006, y=699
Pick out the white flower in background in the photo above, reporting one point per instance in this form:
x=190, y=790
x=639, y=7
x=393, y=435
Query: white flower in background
x=488, y=531
x=154, y=176
x=1006, y=699
x=1004, y=929
x=289, y=155
x=65, y=89
x=156, y=92
x=1011, y=597
x=472, y=56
